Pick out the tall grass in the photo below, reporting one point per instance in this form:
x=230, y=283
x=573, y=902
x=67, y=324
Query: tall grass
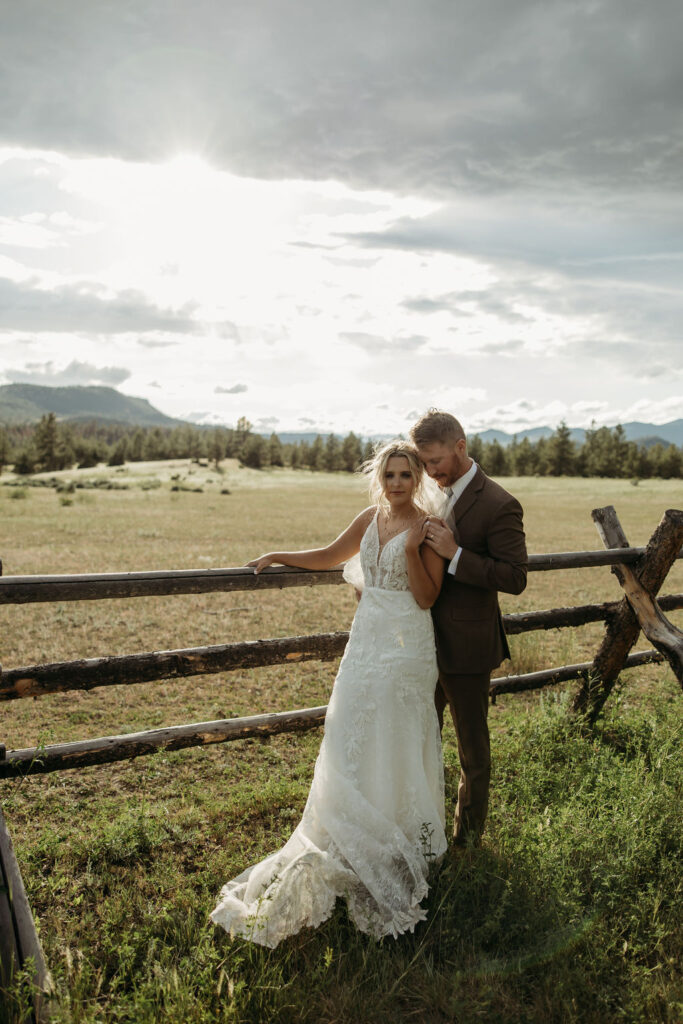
x=569, y=912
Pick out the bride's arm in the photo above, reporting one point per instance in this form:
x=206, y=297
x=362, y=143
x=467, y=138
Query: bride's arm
x=345, y=546
x=425, y=567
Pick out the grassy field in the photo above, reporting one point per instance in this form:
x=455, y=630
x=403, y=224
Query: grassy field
x=569, y=912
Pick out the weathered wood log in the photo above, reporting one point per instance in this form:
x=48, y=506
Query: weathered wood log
x=575, y=615
x=666, y=637
x=578, y=559
x=105, y=749
x=103, y=586
x=558, y=618
x=38, y=680
x=550, y=676
x=10, y=960
x=86, y=674
x=622, y=628
x=19, y=940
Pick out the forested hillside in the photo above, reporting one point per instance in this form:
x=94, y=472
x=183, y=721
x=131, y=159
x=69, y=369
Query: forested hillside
x=53, y=445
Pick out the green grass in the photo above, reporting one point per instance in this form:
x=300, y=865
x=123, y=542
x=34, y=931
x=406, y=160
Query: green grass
x=569, y=912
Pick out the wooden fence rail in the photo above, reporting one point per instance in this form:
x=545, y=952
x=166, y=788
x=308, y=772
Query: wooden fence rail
x=15, y=764
x=102, y=586
x=86, y=674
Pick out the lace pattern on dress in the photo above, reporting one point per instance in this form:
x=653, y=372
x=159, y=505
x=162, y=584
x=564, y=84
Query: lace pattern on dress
x=384, y=567
x=374, y=819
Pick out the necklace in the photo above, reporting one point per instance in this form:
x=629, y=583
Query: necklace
x=391, y=529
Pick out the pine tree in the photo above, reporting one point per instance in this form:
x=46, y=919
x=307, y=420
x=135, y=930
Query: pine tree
x=561, y=457
x=332, y=458
x=119, y=453
x=89, y=453
x=351, y=453
x=495, y=459
x=255, y=452
x=157, y=445
x=242, y=435
x=4, y=448
x=304, y=450
x=541, y=453
x=635, y=463
x=524, y=458
x=314, y=456
x=276, y=454
x=216, y=447
x=65, y=455
x=601, y=452
x=136, y=446
x=671, y=463
x=26, y=461
x=475, y=449
x=368, y=451
x=45, y=442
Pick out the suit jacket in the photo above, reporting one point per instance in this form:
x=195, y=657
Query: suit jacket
x=487, y=523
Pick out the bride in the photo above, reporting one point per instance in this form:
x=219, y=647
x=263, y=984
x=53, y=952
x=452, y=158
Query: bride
x=374, y=819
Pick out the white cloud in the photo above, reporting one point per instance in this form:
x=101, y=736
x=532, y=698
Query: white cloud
x=375, y=345
x=84, y=306
x=74, y=373
x=476, y=207
x=236, y=389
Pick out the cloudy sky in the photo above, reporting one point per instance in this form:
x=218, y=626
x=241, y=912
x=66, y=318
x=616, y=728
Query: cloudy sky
x=329, y=215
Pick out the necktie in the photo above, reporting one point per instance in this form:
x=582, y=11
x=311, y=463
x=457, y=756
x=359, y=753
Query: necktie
x=448, y=491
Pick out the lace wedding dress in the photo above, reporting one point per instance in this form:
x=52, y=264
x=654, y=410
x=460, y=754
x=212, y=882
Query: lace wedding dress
x=374, y=818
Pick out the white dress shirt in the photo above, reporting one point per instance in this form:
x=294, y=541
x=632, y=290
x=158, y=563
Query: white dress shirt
x=456, y=490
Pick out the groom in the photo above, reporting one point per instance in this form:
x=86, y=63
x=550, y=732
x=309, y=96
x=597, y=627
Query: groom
x=482, y=538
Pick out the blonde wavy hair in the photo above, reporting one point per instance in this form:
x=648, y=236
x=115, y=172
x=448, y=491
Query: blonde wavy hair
x=376, y=467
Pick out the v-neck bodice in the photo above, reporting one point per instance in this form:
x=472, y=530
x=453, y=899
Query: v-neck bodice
x=384, y=566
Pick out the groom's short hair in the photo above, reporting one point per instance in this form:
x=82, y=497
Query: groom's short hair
x=435, y=425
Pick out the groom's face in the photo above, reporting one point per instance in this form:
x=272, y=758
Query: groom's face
x=445, y=462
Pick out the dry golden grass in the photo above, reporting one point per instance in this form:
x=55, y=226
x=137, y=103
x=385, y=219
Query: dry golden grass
x=125, y=530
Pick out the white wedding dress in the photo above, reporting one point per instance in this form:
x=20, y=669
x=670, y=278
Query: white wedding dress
x=374, y=818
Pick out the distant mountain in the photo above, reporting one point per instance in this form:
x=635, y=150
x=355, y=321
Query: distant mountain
x=26, y=403
x=669, y=433
x=647, y=434
x=534, y=434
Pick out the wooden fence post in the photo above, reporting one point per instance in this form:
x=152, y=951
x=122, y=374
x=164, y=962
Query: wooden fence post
x=666, y=637
x=19, y=940
x=622, y=628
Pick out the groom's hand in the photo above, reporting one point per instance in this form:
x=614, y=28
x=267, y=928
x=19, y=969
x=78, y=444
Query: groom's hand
x=440, y=538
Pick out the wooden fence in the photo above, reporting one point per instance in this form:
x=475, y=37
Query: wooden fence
x=640, y=571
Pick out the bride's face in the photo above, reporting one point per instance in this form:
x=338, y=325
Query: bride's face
x=398, y=482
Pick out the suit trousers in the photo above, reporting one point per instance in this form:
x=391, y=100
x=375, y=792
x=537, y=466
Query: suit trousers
x=468, y=699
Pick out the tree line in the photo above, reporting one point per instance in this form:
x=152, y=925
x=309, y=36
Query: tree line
x=52, y=445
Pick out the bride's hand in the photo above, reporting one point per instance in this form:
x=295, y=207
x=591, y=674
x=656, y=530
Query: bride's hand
x=262, y=562
x=416, y=535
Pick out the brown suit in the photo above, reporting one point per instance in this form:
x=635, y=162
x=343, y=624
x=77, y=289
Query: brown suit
x=470, y=639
